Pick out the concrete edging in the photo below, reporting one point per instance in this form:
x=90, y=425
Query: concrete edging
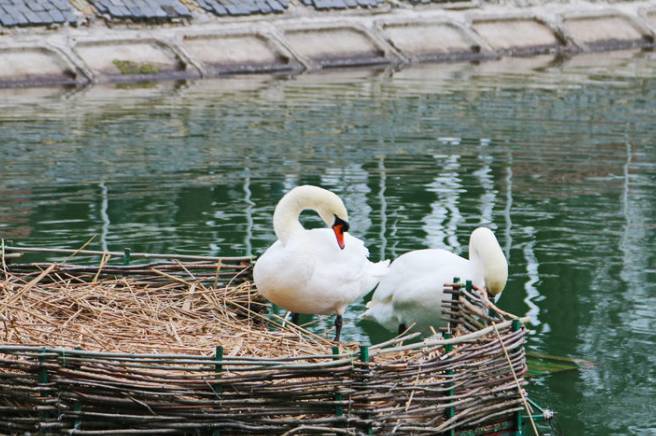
x=295, y=44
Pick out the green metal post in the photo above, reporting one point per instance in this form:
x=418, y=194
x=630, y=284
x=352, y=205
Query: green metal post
x=43, y=380
x=516, y=325
x=451, y=411
x=468, y=285
x=364, y=353
x=77, y=407
x=218, y=368
x=453, y=323
x=272, y=319
x=364, y=357
x=127, y=256
x=43, y=371
x=339, y=409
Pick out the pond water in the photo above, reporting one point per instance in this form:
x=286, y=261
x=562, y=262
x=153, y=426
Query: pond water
x=558, y=156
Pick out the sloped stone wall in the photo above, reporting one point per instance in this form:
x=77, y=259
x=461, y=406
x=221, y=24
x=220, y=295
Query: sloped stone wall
x=80, y=41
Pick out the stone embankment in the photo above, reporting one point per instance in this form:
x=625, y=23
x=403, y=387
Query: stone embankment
x=77, y=41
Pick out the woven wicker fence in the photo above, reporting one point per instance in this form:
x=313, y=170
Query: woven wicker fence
x=471, y=379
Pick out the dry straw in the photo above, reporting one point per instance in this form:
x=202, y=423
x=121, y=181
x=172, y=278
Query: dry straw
x=186, y=346
x=164, y=307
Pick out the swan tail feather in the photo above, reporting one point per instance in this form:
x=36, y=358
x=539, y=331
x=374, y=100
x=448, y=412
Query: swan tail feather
x=374, y=274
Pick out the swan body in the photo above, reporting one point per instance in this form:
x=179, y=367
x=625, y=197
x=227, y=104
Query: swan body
x=317, y=271
x=412, y=290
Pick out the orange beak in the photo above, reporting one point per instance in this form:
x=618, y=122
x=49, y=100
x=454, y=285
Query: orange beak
x=339, y=227
x=339, y=234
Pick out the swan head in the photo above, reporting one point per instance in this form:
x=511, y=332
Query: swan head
x=332, y=211
x=340, y=227
x=484, y=249
x=328, y=205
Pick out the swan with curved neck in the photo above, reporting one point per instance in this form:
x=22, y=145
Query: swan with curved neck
x=315, y=271
x=328, y=205
x=412, y=291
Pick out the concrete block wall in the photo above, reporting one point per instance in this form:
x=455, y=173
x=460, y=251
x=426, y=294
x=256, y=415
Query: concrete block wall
x=298, y=41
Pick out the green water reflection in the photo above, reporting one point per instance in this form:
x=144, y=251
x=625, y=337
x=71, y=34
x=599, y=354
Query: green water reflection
x=559, y=157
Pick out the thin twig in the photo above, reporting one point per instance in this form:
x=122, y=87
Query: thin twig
x=519, y=386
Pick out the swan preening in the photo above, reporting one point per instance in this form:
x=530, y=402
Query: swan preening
x=412, y=290
x=315, y=271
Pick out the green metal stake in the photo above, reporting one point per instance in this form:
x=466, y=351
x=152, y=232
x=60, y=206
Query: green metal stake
x=515, y=326
x=272, y=320
x=339, y=409
x=364, y=357
x=43, y=371
x=218, y=368
x=453, y=324
x=451, y=411
x=364, y=353
x=77, y=406
x=43, y=380
x=127, y=256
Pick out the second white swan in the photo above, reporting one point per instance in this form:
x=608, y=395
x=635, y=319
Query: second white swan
x=412, y=291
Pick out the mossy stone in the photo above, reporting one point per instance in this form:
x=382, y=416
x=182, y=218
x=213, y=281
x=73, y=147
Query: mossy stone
x=130, y=67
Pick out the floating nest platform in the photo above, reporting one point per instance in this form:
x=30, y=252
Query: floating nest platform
x=155, y=344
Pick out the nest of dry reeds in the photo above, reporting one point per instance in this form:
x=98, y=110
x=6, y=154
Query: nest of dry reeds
x=171, y=315
x=164, y=308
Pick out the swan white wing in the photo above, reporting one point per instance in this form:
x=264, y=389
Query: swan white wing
x=368, y=274
x=348, y=273
x=412, y=290
x=311, y=274
x=410, y=265
x=279, y=269
x=407, y=276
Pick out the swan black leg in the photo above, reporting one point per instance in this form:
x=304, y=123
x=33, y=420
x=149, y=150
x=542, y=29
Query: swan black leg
x=402, y=328
x=338, y=327
x=295, y=317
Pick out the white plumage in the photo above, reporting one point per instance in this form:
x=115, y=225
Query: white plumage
x=317, y=271
x=412, y=291
x=310, y=274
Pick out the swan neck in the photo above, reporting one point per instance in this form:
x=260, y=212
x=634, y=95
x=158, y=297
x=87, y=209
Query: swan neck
x=487, y=256
x=285, y=218
x=325, y=203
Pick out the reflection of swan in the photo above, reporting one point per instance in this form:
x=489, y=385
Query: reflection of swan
x=412, y=290
x=307, y=271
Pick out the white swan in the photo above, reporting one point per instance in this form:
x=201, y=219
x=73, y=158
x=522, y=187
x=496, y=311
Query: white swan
x=316, y=271
x=412, y=290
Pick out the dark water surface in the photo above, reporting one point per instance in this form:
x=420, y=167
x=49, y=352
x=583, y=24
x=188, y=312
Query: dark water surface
x=559, y=157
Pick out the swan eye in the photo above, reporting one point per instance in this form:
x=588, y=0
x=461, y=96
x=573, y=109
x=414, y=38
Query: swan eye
x=340, y=222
